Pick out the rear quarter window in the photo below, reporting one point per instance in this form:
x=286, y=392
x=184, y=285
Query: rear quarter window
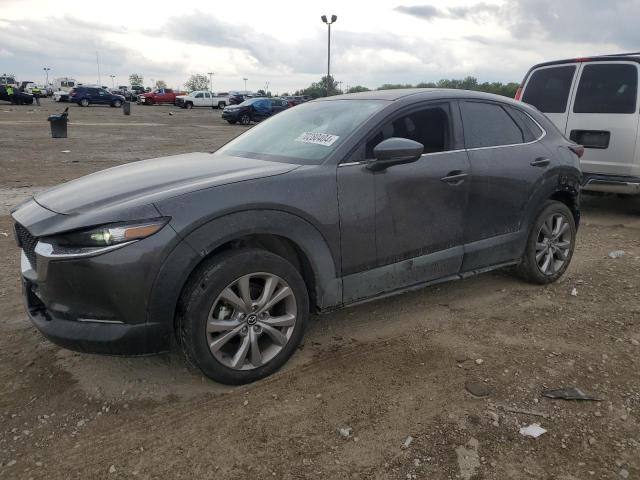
x=607, y=88
x=548, y=88
x=489, y=125
x=530, y=128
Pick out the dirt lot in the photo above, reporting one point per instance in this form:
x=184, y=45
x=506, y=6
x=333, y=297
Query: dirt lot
x=382, y=372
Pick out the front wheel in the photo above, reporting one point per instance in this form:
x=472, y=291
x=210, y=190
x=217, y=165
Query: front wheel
x=221, y=105
x=188, y=105
x=84, y=102
x=245, y=119
x=550, y=245
x=117, y=104
x=242, y=315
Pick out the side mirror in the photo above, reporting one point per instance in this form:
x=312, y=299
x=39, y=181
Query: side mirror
x=395, y=151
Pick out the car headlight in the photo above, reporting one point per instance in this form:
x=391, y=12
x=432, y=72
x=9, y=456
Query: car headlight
x=98, y=239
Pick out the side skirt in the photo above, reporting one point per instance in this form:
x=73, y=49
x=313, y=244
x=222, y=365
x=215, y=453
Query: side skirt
x=420, y=286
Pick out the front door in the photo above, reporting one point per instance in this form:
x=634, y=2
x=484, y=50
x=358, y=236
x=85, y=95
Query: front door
x=418, y=208
x=604, y=117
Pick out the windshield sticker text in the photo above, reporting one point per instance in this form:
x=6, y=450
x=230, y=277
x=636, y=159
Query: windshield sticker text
x=325, y=139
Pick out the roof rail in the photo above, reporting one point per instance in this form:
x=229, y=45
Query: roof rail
x=620, y=54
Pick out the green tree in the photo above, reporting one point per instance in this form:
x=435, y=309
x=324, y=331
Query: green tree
x=197, y=82
x=357, y=89
x=394, y=86
x=161, y=84
x=319, y=89
x=136, y=79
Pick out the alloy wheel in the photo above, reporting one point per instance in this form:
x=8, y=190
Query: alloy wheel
x=251, y=321
x=245, y=119
x=553, y=246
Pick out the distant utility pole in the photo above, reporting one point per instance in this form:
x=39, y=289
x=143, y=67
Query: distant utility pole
x=329, y=23
x=245, y=84
x=211, y=81
x=46, y=72
x=113, y=84
x=98, y=62
x=266, y=87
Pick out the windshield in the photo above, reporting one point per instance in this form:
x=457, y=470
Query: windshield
x=305, y=134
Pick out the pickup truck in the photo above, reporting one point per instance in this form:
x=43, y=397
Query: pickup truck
x=202, y=98
x=160, y=95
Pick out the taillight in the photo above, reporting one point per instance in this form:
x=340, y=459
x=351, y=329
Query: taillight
x=577, y=149
x=518, y=94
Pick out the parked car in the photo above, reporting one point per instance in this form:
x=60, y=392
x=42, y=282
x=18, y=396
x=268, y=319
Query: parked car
x=20, y=98
x=158, y=96
x=85, y=96
x=201, y=98
x=61, y=87
x=593, y=101
x=254, y=110
x=231, y=251
x=236, y=98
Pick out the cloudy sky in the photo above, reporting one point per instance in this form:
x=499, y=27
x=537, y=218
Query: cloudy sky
x=283, y=42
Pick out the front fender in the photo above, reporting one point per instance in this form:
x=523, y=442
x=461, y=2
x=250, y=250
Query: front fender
x=199, y=243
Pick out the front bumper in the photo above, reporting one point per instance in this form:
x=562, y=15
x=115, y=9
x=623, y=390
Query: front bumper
x=611, y=184
x=93, y=336
x=226, y=115
x=99, y=303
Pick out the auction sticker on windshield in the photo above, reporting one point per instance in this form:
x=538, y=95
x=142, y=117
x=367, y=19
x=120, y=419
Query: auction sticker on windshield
x=325, y=139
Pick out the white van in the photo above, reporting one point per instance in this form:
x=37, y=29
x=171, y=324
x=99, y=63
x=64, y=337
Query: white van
x=594, y=101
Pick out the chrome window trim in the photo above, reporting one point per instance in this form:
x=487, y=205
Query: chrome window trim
x=542, y=129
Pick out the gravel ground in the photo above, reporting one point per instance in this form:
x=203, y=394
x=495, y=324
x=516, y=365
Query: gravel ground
x=377, y=391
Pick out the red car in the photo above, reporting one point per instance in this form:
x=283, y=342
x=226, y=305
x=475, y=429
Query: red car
x=160, y=95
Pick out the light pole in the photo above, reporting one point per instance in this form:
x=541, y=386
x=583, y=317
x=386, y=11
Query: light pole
x=113, y=84
x=266, y=87
x=46, y=72
x=333, y=20
x=210, y=81
x=245, y=84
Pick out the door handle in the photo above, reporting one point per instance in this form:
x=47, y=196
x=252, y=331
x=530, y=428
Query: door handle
x=455, y=178
x=540, y=162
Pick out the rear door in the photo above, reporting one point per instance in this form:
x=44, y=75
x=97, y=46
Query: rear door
x=604, y=117
x=549, y=89
x=507, y=162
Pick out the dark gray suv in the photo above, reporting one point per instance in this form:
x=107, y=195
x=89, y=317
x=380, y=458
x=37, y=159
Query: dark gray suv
x=327, y=204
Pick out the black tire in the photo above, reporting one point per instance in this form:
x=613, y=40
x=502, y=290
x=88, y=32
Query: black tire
x=202, y=290
x=245, y=119
x=529, y=270
x=188, y=105
x=221, y=105
x=84, y=102
x=232, y=122
x=117, y=104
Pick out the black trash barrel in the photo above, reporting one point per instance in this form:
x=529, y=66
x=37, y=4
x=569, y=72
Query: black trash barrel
x=58, y=125
x=126, y=108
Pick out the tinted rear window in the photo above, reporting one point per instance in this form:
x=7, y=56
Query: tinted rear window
x=530, y=129
x=607, y=88
x=489, y=125
x=548, y=88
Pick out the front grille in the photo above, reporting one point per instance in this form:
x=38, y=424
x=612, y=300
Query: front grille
x=28, y=243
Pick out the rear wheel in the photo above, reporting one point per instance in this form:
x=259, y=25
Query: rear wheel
x=242, y=315
x=550, y=245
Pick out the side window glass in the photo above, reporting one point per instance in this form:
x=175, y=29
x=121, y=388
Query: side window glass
x=489, y=125
x=198, y=95
x=548, y=88
x=530, y=128
x=607, y=88
x=431, y=127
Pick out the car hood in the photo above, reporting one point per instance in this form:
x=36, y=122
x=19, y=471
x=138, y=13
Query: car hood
x=151, y=180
